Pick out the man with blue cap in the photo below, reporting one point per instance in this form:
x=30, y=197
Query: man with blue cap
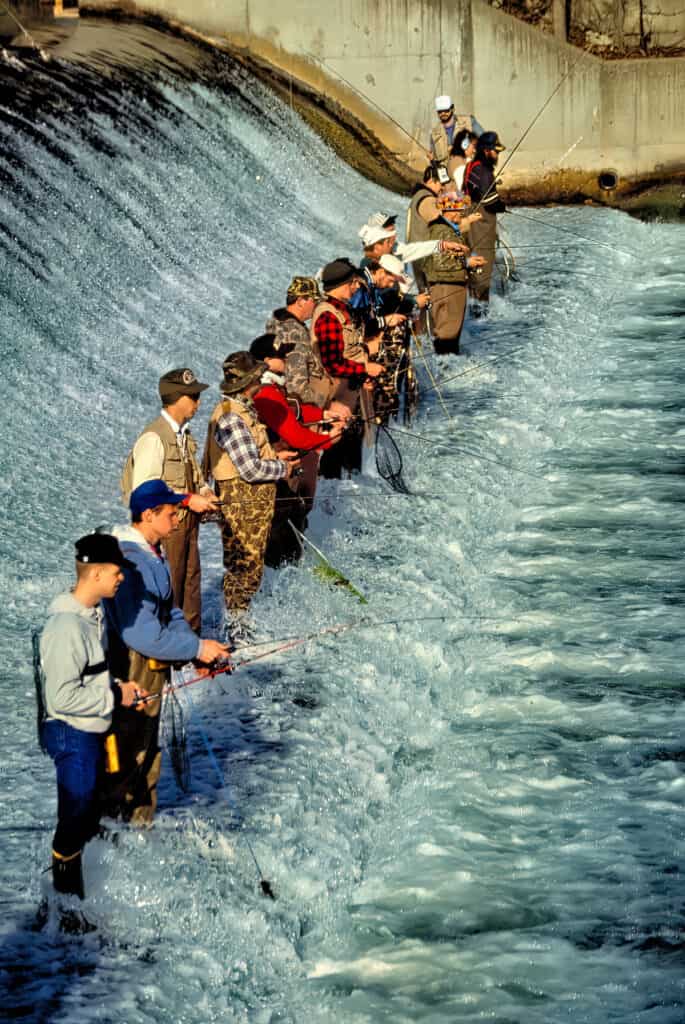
x=148, y=634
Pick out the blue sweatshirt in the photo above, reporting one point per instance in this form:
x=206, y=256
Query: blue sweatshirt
x=143, y=612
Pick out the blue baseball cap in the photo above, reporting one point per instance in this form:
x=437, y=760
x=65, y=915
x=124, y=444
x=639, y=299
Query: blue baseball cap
x=151, y=494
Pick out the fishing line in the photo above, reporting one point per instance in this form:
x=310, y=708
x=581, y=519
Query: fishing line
x=569, y=231
x=264, y=884
x=478, y=366
x=466, y=451
x=368, y=99
x=530, y=126
x=436, y=386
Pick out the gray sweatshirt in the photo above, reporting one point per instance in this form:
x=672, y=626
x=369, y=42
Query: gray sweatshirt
x=72, y=645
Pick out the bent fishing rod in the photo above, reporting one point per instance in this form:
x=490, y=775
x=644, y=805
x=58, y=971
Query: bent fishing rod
x=287, y=643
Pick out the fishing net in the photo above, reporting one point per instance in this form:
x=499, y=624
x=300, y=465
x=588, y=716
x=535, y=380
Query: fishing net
x=389, y=461
x=176, y=742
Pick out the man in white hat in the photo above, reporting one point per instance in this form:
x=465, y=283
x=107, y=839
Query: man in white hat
x=447, y=126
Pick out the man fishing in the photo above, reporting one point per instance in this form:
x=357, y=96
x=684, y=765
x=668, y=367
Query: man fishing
x=448, y=124
x=287, y=422
x=479, y=182
x=77, y=695
x=166, y=450
x=148, y=634
x=245, y=468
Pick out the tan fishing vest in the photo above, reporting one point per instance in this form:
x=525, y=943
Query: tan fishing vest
x=352, y=349
x=352, y=338
x=216, y=463
x=179, y=473
x=439, y=136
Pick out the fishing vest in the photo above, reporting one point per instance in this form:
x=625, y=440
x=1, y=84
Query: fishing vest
x=216, y=462
x=180, y=472
x=441, y=143
x=417, y=229
x=352, y=337
x=444, y=267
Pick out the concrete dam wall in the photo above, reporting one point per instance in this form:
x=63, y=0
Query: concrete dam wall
x=381, y=63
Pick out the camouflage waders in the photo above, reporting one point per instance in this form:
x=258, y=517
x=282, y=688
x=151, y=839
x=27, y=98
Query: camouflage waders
x=247, y=511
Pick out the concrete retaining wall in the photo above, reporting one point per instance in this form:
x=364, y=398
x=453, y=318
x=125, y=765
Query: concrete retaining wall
x=397, y=54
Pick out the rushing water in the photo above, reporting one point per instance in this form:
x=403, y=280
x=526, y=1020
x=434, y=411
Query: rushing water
x=475, y=819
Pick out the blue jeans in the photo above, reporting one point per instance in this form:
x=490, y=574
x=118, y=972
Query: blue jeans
x=79, y=761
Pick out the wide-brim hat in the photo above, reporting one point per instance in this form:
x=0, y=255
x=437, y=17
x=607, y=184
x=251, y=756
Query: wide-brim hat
x=240, y=370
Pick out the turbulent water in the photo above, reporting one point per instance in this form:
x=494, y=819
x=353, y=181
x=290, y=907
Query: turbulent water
x=471, y=819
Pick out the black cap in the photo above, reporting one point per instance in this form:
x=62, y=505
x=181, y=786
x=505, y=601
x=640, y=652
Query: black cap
x=339, y=272
x=180, y=382
x=100, y=549
x=269, y=346
x=490, y=140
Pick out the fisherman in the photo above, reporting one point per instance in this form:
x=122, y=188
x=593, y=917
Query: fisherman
x=341, y=347
x=446, y=127
x=448, y=278
x=368, y=303
x=166, y=450
x=77, y=695
x=282, y=416
x=305, y=377
x=147, y=635
x=412, y=251
x=479, y=181
x=462, y=153
x=245, y=468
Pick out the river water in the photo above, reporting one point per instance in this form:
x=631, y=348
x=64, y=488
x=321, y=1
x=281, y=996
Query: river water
x=463, y=820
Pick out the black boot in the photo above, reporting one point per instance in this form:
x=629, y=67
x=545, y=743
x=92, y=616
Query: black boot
x=67, y=875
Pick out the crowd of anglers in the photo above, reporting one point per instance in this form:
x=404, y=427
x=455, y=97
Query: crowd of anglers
x=300, y=402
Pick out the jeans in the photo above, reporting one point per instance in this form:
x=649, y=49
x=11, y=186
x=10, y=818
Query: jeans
x=79, y=762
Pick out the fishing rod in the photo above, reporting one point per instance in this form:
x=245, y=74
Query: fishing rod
x=368, y=99
x=530, y=126
x=569, y=231
x=287, y=643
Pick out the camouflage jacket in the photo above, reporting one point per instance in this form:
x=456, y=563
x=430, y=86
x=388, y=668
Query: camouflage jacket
x=303, y=365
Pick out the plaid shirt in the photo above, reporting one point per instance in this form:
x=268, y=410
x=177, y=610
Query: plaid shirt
x=233, y=435
x=329, y=334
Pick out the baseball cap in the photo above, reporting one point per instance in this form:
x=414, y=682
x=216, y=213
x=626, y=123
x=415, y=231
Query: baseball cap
x=490, y=140
x=151, y=494
x=180, y=382
x=269, y=346
x=338, y=272
x=100, y=549
x=443, y=102
x=372, y=233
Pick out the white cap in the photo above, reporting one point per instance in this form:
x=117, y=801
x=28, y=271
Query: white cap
x=379, y=220
x=443, y=102
x=395, y=266
x=372, y=233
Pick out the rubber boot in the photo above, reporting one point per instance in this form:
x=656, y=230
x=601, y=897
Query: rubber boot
x=67, y=874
